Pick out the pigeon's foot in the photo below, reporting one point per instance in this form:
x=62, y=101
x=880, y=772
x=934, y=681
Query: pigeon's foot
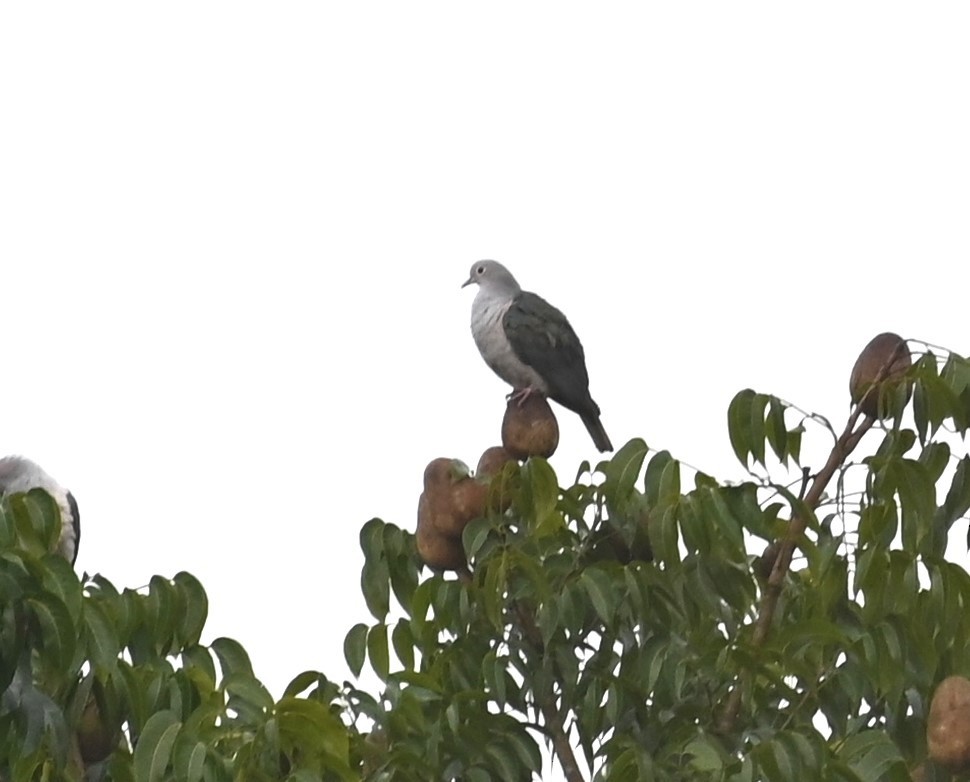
x=520, y=395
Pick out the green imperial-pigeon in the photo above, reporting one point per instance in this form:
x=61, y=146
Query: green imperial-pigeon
x=530, y=345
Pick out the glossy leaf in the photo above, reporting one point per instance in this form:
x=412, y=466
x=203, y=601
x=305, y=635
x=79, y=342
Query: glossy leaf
x=154, y=747
x=232, y=657
x=377, y=650
x=739, y=424
x=102, y=640
x=195, y=607
x=355, y=648
x=623, y=470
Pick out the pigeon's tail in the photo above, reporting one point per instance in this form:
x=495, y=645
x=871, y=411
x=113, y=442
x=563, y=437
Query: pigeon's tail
x=592, y=421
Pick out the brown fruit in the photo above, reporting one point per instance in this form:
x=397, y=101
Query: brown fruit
x=948, y=724
x=443, y=472
x=95, y=740
x=440, y=478
x=492, y=461
x=879, y=400
x=443, y=517
x=468, y=500
x=530, y=428
x=437, y=550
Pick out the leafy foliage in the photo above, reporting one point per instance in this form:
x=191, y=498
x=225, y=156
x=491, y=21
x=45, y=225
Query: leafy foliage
x=101, y=684
x=625, y=615
x=628, y=623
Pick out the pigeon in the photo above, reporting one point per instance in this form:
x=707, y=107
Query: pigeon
x=18, y=474
x=530, y=345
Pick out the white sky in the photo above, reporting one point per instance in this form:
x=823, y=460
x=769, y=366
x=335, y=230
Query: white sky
x=232, y=237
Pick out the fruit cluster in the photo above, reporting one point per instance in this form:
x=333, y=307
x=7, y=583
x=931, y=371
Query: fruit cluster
x=453, y=497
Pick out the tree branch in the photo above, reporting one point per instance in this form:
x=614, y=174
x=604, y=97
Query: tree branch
x=846, y=442
x=546, y=701
x=844, y=445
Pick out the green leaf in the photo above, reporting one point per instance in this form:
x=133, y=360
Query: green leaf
x=154, y=747
x=540, y=492
x=189, y=764
x=59, y=578
x=936, y=458
x=917, y=496
x=664, y=536
x=739, y=424
x=504, y=763
x=249, y=689
x=308, y=727
x=249, y=699
x=375, y=585
x=878, y=523
x=622, y=471
x=372, y=539
x=377, y=650
x=8, y=529
x=403, y=642
x=656, y=486
x=956, y=373
x=600, y=590
x=58, y=633
x=302, y=682
x=670, y=480
x=198, y=664
x=776, y=431
x=402, y=567
x=164, y=601
x=957, y=501
x=872, y=755
x=727, y=523
x=475, y=536
x=355, y=648
x=794, y=440
x=705, y=755
x=38, y=519
x=757, y=432
x=526, y=751
x=102, y=640
x=921, y=412
x=196, y=607
x=232, y=657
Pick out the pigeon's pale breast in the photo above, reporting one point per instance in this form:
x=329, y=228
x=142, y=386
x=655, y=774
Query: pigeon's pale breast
x=489, y=333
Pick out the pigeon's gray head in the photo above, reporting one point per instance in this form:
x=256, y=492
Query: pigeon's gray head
x=17, y=472
x=492, y=276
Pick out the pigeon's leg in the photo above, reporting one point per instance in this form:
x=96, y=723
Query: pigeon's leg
x=521, y=394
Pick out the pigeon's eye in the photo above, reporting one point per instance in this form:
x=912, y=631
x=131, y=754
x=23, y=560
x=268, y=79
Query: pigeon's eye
x=480, y=271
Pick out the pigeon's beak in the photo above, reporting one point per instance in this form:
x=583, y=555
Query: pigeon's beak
x=468, y=282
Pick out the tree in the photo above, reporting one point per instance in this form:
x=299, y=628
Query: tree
x=624, y=617
x=620, y=621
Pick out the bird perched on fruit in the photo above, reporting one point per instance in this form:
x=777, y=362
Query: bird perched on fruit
x=530, y=345
x=18, y=474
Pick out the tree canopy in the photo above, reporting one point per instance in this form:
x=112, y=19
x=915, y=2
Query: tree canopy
x=648, y=621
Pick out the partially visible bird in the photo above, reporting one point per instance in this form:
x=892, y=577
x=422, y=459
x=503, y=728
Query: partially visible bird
x=18, y=474
x=531, y=346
